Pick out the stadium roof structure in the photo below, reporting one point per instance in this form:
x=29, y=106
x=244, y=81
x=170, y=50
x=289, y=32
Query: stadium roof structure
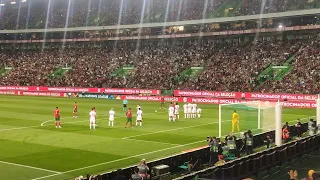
x=176, y=23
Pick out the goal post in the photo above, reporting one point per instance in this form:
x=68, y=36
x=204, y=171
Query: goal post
x=257, y=116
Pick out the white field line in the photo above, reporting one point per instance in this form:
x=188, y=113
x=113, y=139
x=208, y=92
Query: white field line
x=117, y=160
x=156, y=142
x=30, y=167
x=27, y=127
x=42, y=124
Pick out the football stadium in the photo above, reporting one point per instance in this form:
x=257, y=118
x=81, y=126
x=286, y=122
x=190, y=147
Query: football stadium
x=159, y=89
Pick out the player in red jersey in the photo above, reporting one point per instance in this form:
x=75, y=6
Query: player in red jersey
x=162, y=102
x=57, y=117
x=129, y=117
x=75, y=110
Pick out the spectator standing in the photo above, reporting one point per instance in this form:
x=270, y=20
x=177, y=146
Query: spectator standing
x=249, y=142
x=285, y=134
x=298, y=127
x=311, y=127
x=143, y=169
x=136, y=175
x=267, y=141
x=286, y=125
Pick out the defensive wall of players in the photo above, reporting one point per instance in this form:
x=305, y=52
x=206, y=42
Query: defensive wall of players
x=183, y=96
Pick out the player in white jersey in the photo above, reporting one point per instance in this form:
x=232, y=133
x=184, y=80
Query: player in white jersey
x=138, y=106
x=199, y=112
x=171, y=114
x=185, y=110
x=189, y=110
x=194, y=110
x=93, y=115
x=139, y=117
x=111, y=117
x=176, y=111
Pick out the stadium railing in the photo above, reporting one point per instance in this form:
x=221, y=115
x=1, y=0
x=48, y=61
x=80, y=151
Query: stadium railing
x=266, y=160
x=251, y=162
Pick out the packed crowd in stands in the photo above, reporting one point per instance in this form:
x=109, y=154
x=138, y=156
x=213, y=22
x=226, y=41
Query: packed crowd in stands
x=234, y=68
x=34, y=14
x=229, y=66
x=305, y=74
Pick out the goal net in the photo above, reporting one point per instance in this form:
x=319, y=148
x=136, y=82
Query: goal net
x=256, y=116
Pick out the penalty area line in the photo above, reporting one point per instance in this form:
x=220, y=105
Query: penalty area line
x=169, y=130
x=30, y=167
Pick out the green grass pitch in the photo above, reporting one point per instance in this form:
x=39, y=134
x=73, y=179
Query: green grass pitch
x=31, y=151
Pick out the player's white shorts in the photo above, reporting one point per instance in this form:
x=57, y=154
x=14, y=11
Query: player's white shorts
x=185, y=111
x=111, y=119
x=194, y=111
x=92, y=121
x=139, y=118
x=176, y=112
x=189, y=111
x=171, y=114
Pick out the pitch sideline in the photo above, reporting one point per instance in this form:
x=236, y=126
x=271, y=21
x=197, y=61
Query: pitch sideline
x=126, y=158
x=30, y=167
x=117, y=160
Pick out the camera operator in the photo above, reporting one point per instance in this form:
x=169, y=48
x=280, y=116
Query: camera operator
x=298, y=127
x=248, y=142
x=231, y=143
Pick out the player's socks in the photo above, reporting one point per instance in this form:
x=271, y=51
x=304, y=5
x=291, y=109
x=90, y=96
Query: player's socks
x=140, y=123
x=90, y=126
x=136, y=123
x=112, y=123
x=178, y=116
x=94, y=126
x=109, y=123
